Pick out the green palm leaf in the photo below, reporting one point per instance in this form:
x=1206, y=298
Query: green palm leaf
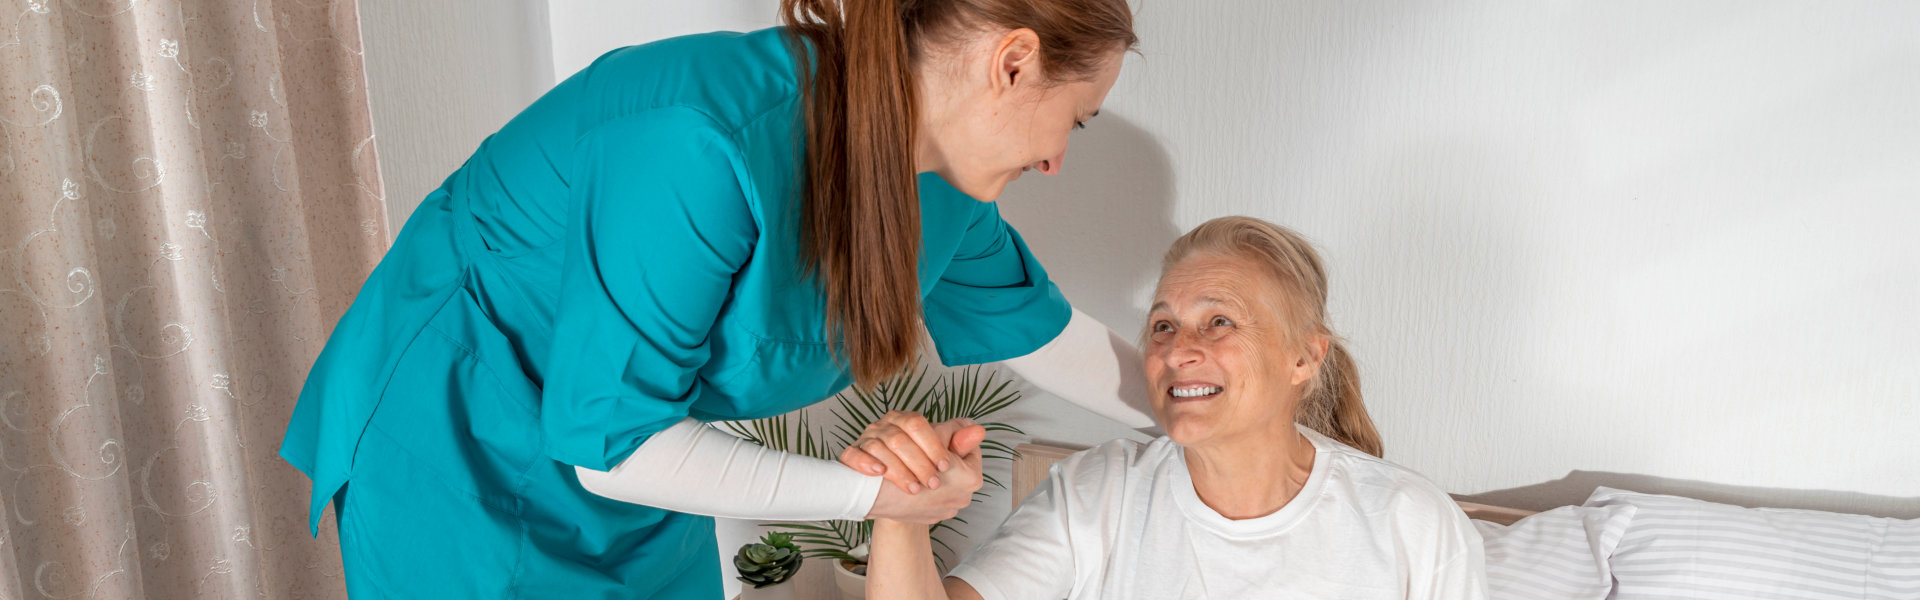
x=967, y=392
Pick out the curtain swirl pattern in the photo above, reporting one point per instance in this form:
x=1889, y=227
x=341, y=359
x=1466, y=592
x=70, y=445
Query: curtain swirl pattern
x=189, y=199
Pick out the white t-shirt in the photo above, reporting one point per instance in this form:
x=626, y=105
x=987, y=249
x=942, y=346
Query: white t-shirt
x=1121, y=520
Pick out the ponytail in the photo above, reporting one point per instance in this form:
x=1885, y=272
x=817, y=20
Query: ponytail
x=1333, y=406
x=860, y=220
x=860, y=216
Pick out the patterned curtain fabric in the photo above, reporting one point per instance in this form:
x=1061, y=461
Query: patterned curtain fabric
x=189, y=200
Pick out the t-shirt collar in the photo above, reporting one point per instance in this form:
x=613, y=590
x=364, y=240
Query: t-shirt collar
x=1274, y=524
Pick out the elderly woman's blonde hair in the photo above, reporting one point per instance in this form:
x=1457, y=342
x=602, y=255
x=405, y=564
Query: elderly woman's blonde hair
x=1331, y=402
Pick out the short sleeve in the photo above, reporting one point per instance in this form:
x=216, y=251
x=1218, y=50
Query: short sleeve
x=657, y=227
x=994, y=301
x=1455, y=565
x=1030, y=555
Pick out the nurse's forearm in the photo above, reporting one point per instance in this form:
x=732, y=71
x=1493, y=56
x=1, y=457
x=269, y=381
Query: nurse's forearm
x=1090, y=365
x=696, y=469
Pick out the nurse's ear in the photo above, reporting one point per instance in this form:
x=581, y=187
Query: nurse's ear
x=1016, y=62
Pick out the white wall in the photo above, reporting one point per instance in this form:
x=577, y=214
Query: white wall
x=1677, y=240
x=442, y=75
x=585, y=29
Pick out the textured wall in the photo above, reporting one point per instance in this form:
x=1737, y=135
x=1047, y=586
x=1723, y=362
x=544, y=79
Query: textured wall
x=444, y=74
x=585, y=29
x=1671, y=240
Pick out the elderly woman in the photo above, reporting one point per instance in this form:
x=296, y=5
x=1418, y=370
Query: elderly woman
x=1267, y=483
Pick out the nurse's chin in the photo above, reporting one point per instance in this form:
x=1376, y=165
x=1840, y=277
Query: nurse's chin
x=984, y=191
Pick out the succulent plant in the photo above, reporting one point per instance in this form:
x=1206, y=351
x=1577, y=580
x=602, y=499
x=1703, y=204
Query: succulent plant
x=772, y=560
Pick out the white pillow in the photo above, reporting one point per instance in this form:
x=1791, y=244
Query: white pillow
x=1558, y=554
x=1685, y=548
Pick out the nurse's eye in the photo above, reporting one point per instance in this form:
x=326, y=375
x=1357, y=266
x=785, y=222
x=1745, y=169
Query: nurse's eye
x=1220, y=322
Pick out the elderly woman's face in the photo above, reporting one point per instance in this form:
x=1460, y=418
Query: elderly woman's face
x=1218, y=359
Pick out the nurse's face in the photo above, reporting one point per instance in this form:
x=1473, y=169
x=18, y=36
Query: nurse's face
x=990, y=112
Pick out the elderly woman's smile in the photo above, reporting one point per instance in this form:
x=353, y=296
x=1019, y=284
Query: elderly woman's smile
x=1185, y=391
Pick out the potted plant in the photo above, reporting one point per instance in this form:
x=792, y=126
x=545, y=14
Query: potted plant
x=970, y=392
x=768, y=565
x=850, y=574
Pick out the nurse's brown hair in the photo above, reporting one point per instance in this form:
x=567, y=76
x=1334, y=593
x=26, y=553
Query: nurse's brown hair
x=1331, y=402
x=860, y=225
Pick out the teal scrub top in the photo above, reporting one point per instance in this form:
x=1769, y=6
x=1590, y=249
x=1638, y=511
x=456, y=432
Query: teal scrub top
x=619, y=256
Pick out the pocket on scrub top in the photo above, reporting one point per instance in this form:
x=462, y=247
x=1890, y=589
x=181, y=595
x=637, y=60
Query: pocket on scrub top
x=458, y=416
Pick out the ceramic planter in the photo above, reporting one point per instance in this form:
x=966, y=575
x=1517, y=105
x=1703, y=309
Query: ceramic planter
x=852, y=586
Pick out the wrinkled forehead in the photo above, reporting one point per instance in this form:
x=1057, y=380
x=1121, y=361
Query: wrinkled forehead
x=1212, y=282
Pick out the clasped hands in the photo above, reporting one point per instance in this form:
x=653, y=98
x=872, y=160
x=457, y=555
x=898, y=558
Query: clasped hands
x=931, y=469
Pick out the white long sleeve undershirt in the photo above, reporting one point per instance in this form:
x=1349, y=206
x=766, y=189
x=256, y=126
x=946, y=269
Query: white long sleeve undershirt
x=696, y=469
x=1093, y=367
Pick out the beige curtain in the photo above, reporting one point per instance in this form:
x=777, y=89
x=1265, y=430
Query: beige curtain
x=188, y=201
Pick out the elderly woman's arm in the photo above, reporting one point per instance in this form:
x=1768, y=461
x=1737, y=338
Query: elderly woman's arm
x=1029, y=556
x=901, y=565
x=1090, y=365
x=900, y=562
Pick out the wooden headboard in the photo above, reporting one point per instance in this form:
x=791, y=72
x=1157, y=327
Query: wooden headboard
x=1030, y=468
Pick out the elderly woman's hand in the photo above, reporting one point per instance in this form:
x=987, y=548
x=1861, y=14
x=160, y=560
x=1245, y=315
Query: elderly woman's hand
x=910, y=452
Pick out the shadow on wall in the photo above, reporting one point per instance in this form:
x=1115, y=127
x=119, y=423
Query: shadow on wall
x=1577, y=485
x=1101, y=224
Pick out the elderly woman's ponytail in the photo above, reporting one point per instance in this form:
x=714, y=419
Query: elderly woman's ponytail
x=1334, y=408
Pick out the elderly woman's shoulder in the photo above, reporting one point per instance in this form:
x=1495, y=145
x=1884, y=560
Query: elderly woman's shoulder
x=1114, y=465
x=1122, y=454
x=1378, y=485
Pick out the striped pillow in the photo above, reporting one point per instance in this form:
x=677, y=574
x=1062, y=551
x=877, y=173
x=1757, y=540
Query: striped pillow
x=1558, y=554
x=1685, y=548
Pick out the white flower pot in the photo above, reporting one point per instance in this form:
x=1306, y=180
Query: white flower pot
x=852, y=586
x=779, y=591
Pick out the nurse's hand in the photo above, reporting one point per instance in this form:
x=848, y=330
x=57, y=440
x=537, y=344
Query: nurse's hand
x=954, y=492
x=910, y=452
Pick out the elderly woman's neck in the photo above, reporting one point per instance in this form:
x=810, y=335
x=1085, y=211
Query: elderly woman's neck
x=1253, y=476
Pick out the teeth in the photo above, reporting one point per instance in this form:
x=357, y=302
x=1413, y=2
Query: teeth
x=1193, y=391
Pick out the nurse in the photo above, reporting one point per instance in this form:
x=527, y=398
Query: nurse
x=714, y=227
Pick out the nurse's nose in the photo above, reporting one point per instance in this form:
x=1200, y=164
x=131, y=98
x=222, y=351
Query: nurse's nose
x=1051, y=166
